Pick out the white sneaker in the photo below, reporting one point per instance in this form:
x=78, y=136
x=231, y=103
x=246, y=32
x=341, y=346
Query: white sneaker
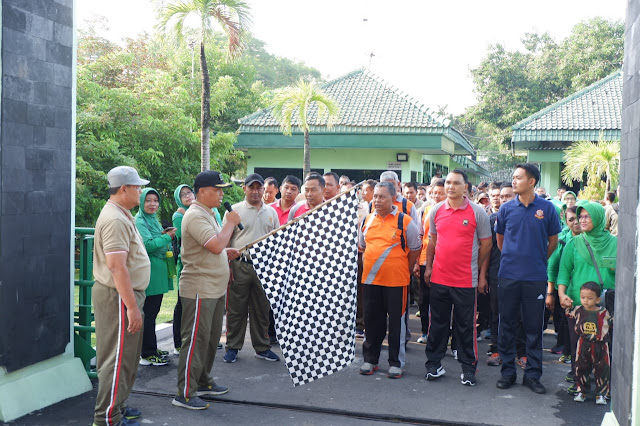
x=601, y=400
x=580, y=397
x=422, y=339
x=176, y=351
x=454, y=353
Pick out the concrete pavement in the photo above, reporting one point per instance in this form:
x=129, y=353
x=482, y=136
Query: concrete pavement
x=261, y=392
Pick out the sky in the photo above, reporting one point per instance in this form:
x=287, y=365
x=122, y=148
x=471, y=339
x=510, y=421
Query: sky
x=425, y=48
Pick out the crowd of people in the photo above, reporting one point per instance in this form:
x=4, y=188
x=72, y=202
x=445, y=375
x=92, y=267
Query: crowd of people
x=498, y=257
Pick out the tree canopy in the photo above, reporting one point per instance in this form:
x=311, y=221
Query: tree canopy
x=138, y=105
x=511, y=85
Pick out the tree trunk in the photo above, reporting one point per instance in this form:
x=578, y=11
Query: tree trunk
x=205, y=111
x=307, y=156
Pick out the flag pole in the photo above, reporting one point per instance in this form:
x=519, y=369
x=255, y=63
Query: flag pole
x=292, y=221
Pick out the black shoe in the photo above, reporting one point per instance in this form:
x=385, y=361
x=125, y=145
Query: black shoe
x=468, y=379
x=505, y=382
x=534, y=385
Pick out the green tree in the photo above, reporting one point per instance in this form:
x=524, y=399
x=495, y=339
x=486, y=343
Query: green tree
x=596, y=160
x=234, y=18
x=512, y=85
x=298, y=99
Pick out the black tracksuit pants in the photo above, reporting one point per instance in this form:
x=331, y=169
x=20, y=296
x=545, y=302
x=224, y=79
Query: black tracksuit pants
x=423, y=304
x=463, y=302
x=528, y=297
x=381, y=304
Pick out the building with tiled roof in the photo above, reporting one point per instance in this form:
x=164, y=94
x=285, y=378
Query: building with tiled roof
x=591, y=114
x=379, y=128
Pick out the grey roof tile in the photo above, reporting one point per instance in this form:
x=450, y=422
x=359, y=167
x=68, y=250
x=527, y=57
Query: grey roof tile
x=594, y=108
x=365, y=101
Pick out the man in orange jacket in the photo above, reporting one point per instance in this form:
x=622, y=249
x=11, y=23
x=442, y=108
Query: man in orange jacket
x=391, y=243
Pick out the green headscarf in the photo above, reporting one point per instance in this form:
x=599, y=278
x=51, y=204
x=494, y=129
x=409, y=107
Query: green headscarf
x=176, y=196
x=569, y=192
x=151, y=220
x=601, y=241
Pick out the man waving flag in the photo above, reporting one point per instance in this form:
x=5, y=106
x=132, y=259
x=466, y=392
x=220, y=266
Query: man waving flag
x=309, y=270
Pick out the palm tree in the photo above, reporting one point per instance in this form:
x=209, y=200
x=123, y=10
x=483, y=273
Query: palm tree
x=597, y=160
x=234, y=18
x=298, y=99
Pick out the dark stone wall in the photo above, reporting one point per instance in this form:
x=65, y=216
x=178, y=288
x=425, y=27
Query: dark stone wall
x=35, y=180
x=625, y=310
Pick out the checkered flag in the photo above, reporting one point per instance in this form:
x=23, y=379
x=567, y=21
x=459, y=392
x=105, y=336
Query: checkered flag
x=309, y=273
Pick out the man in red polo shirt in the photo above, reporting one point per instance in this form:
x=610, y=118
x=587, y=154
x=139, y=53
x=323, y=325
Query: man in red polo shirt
x=460, y=241
x=289, y=190
x=313, y=192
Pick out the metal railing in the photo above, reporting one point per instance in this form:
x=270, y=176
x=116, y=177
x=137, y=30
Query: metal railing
x=83, y=317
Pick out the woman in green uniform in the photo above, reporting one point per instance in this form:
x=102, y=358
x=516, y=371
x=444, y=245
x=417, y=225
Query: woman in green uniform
x=157, y=242
x=587, y=257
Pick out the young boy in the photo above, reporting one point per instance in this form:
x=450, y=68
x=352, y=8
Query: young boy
x=592, y=326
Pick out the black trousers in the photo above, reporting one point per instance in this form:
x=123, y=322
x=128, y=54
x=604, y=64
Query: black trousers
x=151, y=308
x=177, y=323
x=423, y=304
x=521, y=347
x=560, y=323
x=484, y=312
x=381, y=304
x=360, y=297
x=463, y=301
x=414, y=288
x=528, y=297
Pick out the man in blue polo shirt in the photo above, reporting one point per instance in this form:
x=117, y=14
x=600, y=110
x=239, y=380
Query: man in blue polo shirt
x=527, y=233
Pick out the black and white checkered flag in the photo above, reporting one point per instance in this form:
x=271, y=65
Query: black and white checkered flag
x=309, y=273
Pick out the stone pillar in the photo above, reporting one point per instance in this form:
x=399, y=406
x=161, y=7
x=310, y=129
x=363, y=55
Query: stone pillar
x=37, y=366
x=625, y=374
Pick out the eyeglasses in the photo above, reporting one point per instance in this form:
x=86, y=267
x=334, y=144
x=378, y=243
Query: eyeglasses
x=584, y=217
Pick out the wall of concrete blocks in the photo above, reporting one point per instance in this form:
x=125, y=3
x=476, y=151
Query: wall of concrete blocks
x=627, y=263
x=35, y=180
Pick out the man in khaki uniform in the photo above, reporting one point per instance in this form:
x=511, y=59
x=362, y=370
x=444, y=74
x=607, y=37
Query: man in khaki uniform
x=203, y=283
x=246, y=295
x=121, y=269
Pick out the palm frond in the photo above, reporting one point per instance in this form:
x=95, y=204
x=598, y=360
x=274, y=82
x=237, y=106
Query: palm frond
x=597, y=160
x=172, y=16
x=235, y=19
x=301, y=96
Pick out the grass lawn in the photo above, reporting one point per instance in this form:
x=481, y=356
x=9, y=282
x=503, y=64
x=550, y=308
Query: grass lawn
x=166, y=310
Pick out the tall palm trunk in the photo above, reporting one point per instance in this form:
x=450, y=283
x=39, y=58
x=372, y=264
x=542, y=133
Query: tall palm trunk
x=307, y=155
x=205, y=111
